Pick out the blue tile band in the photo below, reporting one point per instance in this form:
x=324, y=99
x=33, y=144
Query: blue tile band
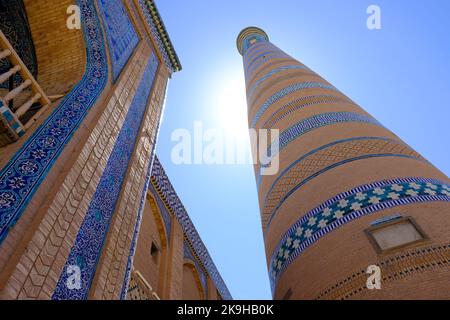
x=120, y=33
x=23, y=174
x=89, y=242
x=286, y=91
x=346, y=207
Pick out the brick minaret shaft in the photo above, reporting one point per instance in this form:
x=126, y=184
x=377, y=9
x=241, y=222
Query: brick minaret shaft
x=343, y=177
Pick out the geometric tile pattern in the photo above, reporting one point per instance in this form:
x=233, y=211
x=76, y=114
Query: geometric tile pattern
x=349, y=206
x=251, y=41
x=264, y=58
x=256, y=48
x=264, y=54
x=299, y=104
x=267, y=66
x=90, y=239
x=252, y=89
x=165, y=190
x=324, y=158
x=159, y=91
x=20, y=178
x=286, y=91
x=325, y=119
x=159, y=34
x=120, y=33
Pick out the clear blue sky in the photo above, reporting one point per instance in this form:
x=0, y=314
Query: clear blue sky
x=400, y=74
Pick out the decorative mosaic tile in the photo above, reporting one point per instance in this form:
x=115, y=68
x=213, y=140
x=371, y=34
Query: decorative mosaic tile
x=21, y=177
x=256, y=48
x=264, y=54
x=325, y=158
x=120, y=33
x=324, y=119
x=89, y=242
x=251, y=40
x=287, y=91
x=274, y=55
x=267, y=66
x=348, y=206
x=301, y=103
x=156, y=35
x=269, y=74
x=166, y=191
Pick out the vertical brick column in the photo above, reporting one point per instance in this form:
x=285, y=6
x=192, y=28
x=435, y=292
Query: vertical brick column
x=174, y=281
x=312, y=212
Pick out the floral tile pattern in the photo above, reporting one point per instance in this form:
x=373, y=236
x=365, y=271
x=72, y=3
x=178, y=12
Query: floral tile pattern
x=21, y=177
x=89, y=242
x=120, y=33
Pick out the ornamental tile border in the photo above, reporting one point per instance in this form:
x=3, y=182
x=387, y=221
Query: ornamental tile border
x=170, y=58
x=259, y=49
x=246, y=45
x=365, y=146
x=348, y=206
x=255, y=46
x=286, y=91
x=87, y=249
x=267, y=66
x=274, y=55
x=320, y=120
x=269, y=74
x=299, y=104
x=189, y=255
x=269, y=51
x=120, y=33
x=166, y=191
x=23, y=174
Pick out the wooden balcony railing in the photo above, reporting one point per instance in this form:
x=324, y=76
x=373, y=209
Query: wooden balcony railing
x=21, y=106
x=140, y=289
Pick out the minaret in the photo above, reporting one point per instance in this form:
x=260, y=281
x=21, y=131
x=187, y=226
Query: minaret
x=353, y=212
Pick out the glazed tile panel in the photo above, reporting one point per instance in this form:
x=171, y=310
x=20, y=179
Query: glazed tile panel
x=318, y=121
x=264, y=58
x=287, y=91
x=120, y=33
x=346, y=207
x=145, y=10
x=88, y=245
x=21, y=177
x=299, y=104
x=325, y=158
x=268, y=75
